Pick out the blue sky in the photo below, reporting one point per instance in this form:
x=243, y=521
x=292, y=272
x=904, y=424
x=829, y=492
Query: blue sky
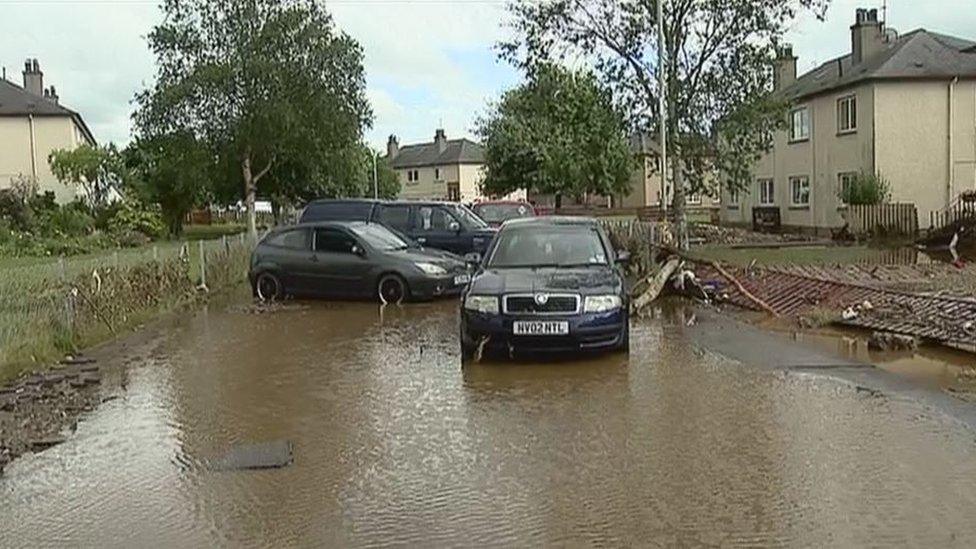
x=428, y=62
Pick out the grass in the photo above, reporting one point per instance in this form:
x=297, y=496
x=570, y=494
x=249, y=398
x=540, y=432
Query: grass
x=49, y=307
x=801, y=256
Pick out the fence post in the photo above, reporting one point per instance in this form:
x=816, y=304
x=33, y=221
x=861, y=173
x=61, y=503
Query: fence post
x=155, y=253
x=61, y=270
x=223, y=240
x=203, y=265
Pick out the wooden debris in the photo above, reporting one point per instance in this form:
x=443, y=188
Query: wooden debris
x=655, y=284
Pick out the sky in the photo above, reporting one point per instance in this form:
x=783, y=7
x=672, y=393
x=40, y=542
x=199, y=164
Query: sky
x=429, y=63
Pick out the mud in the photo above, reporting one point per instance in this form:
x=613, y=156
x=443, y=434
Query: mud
x=686, y=441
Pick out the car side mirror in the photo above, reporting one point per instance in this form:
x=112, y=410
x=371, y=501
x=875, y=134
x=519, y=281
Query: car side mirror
x=358, y=251
x=454, y=226
x=623, y=257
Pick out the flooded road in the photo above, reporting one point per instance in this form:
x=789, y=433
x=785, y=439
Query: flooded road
x=395, y=444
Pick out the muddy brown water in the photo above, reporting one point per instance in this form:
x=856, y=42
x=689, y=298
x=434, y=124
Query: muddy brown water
x=395, y=444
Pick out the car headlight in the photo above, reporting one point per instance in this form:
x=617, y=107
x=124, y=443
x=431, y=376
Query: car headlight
x=601, y=303
x=487, y=304
x=431, y=269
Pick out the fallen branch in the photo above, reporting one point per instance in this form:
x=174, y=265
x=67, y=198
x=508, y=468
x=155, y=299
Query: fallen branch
x=656, y=284
x=742, y=289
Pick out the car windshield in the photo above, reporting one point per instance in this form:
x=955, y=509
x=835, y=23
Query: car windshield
x=497, y=213
x=553, y=246
x=468, y=219
x=379, y=237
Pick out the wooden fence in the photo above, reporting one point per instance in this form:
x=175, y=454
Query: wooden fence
x=961, y=209
x=883, y=220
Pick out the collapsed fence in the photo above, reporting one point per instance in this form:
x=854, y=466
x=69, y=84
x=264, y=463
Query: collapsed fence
x=58, y=306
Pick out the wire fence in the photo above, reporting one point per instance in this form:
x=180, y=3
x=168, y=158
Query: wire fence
x=51, y=307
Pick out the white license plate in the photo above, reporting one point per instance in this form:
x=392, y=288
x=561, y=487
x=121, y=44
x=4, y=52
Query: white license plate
x=540, y=327
x=462, y=279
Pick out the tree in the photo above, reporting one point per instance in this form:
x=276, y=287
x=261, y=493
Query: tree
x=718, y=63
x=558, y=133
x=266, y=84
x=97, y=169
x=174, y=171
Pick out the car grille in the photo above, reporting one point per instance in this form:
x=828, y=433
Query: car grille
x=555, y=304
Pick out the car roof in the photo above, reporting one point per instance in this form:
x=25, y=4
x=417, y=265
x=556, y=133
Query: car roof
x=550, y=220
x=345, y=201
x=513, y=202
x=345, y=224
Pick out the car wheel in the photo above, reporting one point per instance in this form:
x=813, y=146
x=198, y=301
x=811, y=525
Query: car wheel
x=468, y=349
x=624, y=345
x=392, y=289
x=268, y=287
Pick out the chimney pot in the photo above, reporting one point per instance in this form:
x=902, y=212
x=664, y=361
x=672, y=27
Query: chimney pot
x=392, y=147
x=867, y=36
x=33, y=78
x=440, y=139
x=784, y=69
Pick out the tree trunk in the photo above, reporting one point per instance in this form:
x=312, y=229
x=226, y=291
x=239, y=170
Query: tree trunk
x=680, y=215
x=559, y=200
x=249, y=196
x=276, y=211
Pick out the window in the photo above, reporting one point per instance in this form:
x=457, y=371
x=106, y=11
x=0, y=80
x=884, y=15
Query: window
x=434, y=219
x=437, y=174
x=844, y=183
x=694, y=199
x=397, y=217
x=294, y=239
x=413, y=176
x=800, y=124
x=379, y=237
x=800, y=191
x=334, y=241
x=733, y=198
x=454, y=192
x=549, y=245
x=766, y=196
x=847, y=114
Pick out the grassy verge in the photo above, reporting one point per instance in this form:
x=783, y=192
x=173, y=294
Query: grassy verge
x=52, y=308
x=801, y=256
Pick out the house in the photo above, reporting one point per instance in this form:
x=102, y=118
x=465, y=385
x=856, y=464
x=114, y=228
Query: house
x=903, y=106
x=444, y=169
x=33, y=124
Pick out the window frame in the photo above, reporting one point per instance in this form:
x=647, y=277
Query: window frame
x=841, y=176
x=851, y=101
x=270, y=241
x=419, y=219
x=793, y=138
x=347, y=234
x=761, y=183
x=796, y=179
x=735, y=199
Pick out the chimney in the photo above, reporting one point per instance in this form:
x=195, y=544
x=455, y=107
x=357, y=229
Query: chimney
x=33, y=77
x=440, y=140
x=784, y=68
x=51, y=95
x=392, y=147
x=867, y=36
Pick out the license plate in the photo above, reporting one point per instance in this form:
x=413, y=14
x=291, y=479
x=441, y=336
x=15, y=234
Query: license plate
x=462, y=279
x=540, y=327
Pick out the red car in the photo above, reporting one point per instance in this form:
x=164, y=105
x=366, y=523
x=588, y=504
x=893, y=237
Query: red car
x=496, y=212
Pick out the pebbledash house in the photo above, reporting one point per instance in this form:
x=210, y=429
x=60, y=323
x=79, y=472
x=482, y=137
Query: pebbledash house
x=902, y=105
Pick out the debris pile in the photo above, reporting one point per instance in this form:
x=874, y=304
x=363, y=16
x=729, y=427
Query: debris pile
x=36, y=408
x=718, y=235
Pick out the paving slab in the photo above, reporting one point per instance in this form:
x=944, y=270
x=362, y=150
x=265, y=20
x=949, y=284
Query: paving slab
x=264, y=455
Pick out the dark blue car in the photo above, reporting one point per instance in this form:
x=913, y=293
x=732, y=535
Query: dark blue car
x=547, y=284
x=442, y=225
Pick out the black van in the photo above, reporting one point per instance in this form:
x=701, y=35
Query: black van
x=443, y=225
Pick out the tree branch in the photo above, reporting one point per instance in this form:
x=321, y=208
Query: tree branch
x=264, y=171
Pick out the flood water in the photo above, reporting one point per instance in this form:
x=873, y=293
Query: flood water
x=395, y=443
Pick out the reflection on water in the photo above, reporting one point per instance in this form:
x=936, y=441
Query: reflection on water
x=396, y=443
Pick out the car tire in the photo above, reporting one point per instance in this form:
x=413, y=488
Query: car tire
x=268, y=287
x=624, y=345
x=392, y=288
x=468, y=349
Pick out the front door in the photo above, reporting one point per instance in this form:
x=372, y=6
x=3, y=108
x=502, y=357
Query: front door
x=435, y=227
x=340, y=271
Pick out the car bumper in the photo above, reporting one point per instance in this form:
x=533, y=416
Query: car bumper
x=425, y=288
x=590, y=331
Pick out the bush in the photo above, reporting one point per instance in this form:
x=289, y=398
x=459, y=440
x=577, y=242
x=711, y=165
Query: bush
x=15, y=211
x=133, y=216
x=866, y=189
x=68, y=220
